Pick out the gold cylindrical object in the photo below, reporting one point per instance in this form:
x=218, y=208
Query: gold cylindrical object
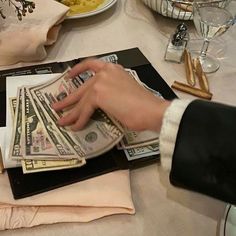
x=191, y=90
x=203, y=81
x=189, y=68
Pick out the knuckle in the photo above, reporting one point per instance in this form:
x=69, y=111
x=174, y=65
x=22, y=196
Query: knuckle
x=111, y=66
x=97, y=89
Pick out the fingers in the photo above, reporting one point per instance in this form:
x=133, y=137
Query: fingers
x=73, y=98
x=78, y=118
x=80, y=114
x=69, y=118
x=89, y=95
x=66, y=102
x=84, y=117
x=87, y=64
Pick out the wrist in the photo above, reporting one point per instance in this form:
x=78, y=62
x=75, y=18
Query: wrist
x=159, y=111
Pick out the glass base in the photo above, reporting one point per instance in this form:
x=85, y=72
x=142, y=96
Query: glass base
x=209, y=63
x=228, y=222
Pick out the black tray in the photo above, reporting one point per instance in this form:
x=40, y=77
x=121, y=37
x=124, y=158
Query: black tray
x=24, y=185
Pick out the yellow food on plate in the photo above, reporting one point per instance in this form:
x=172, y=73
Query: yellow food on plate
x=81, y=6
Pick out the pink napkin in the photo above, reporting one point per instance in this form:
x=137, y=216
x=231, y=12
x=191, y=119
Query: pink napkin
x=25, y=41
x=81, y=202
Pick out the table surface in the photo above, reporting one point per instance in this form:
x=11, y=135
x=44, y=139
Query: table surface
x=161, y=209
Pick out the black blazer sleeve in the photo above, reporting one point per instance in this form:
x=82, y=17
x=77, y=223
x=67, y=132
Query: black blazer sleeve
x=204, y=158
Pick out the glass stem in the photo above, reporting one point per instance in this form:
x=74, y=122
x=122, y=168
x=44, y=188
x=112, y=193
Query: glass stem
x=204, y=49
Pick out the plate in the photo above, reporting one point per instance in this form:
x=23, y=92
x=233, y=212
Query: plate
x=103, y=7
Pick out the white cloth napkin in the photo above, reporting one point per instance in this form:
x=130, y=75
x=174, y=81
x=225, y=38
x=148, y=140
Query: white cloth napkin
x=25, y=41
x=80, y=202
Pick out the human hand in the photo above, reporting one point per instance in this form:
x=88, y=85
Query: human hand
x=114, y=91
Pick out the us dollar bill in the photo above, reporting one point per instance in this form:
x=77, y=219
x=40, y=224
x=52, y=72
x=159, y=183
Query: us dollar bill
x=5, y=138
x=12, y=102
x=133, y=139
x=112, y=58
x=100, y=134
x=32, y=166
x=62, y=147
x=7, y=159
x=140, y=152
x=15, y=150
x=35, y=141
x=135, y=76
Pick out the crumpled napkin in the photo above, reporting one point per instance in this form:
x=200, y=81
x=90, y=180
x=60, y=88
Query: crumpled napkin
x=80, y=202
x=25, y=41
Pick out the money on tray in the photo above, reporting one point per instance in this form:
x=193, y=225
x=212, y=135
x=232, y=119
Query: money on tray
x=36, y=135
x=41, y=145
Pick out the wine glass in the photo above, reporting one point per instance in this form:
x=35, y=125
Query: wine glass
x=211, y=19
x=228, y=224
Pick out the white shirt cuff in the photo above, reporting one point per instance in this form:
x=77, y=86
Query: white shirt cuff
x=169, y=130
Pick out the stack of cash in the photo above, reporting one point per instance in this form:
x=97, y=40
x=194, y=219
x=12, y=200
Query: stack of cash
x=41, y=144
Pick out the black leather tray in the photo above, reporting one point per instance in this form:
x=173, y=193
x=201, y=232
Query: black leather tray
x=24, y=185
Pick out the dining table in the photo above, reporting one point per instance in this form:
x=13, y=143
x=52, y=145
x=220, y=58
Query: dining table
x=161, y=208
